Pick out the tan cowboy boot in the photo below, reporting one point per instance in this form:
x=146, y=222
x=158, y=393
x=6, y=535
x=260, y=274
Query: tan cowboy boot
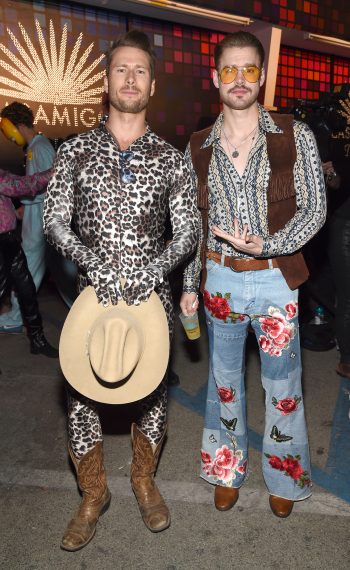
x=96, y=499
x=154, y=511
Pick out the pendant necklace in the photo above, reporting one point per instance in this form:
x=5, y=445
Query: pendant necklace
x=235, y=152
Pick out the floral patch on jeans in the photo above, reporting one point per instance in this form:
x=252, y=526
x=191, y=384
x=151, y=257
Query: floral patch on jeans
x=226, y=395
x=291, y=309
x=287, y=405
x=291, y=467
x=278, y=330
x=218, y=306
x=225, y=464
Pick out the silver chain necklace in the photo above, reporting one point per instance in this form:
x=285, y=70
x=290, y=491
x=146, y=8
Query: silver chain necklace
x=235, y=152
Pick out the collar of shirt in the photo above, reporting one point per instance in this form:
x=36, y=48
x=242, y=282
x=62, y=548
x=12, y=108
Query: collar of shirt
x=266, y=124
x=34, y=139
x=148, y=134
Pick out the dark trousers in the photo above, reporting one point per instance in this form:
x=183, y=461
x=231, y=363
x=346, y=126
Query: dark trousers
x=14, y=273
x=339, y=256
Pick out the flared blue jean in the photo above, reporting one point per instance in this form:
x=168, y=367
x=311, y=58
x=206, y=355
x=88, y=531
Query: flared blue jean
x=262, y=302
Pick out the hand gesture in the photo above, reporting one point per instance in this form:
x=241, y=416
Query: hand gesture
x=247, y=243
x=105, y=281
x=140, y=285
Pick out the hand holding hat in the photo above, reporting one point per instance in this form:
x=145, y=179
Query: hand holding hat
x=114, y=354
x=140, y=284
x=105, y=281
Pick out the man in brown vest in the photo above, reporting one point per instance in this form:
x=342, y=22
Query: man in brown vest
x=261, y=196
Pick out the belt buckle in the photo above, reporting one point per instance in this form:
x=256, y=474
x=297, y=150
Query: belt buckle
x=235, y=270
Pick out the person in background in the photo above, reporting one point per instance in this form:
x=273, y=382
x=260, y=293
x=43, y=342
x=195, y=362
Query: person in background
x=13, y=264
x=339, y=235
x=262, y=197
x=317, y=294
x=328, y=253
x=40, y=155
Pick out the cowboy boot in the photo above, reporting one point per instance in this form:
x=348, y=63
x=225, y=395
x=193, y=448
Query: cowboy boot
x=96, y=499
x=280, y=507
x=225, y=497
x=153, y=509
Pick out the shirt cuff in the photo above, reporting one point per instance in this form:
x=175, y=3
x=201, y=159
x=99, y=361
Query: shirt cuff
x=265, y=249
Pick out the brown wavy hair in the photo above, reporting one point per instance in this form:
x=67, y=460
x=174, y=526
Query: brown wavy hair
x=238, y=39
x=135, y=39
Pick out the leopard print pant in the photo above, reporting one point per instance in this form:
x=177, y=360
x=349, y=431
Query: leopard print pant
x=84, y=427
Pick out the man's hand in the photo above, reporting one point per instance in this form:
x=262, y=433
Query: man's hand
x=247, y=243
x=140, y=285
x=20, y=212
x=189, y=303
x=105, y=281
x=332, y=179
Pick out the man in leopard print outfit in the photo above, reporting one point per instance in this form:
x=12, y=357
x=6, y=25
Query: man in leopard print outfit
x=116, y=184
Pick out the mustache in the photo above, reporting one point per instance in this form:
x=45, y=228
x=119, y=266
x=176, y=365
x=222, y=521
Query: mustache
x=129, y=89
x=239, y=88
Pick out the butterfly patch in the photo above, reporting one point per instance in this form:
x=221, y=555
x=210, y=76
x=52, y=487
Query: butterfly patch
x=279, y=437
x=229, y=424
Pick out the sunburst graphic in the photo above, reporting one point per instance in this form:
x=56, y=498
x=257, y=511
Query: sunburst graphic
x=345, y=112
x=46, y=75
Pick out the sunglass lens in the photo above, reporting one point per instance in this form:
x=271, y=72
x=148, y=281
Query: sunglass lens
x=128, y=177
x=228, y=74
x=127, y=155
x=251, y=73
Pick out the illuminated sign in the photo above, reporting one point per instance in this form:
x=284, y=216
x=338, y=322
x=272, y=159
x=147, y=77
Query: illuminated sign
x=66, y=83
x=345, y=112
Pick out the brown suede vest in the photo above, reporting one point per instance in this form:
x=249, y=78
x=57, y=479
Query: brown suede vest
x=281, y=198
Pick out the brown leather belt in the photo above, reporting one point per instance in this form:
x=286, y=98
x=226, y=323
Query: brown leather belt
x=241, y=264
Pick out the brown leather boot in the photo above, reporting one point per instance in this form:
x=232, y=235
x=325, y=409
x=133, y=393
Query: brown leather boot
x=281, y=507
x=96, y=499
x=154, y=511
x=225, y=497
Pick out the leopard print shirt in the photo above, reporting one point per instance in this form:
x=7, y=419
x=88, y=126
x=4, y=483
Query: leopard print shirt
x=120, y=224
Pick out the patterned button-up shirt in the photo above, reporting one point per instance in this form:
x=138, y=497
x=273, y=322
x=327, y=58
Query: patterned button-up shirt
x=245, y=197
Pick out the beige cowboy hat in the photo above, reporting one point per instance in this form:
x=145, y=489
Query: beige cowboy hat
x=115, y=354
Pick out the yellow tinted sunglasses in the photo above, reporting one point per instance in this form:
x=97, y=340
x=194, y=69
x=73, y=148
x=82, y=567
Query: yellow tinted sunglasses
x=251, y=73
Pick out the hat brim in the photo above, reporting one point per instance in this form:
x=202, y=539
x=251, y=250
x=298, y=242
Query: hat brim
x=74, y=357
